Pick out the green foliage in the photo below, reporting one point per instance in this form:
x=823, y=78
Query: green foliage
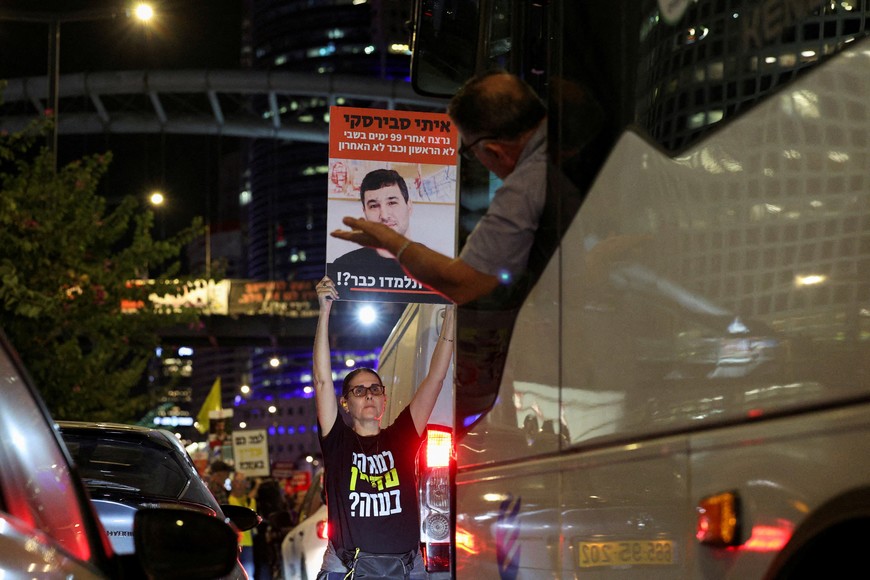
x=66, y=263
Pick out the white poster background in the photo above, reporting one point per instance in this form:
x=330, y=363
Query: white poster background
x=251, y=452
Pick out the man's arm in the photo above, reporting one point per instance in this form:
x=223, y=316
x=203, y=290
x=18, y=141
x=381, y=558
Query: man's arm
x=324, y=388
x=429, y=389
x=449, y=276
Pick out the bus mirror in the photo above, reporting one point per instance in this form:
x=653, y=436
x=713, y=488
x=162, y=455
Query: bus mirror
x=445, y=46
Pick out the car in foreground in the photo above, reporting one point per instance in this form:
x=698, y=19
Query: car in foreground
x=128, y=467
x=48, y=526
x=303, y=547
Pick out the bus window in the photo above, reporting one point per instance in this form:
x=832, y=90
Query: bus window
x=499, y=39
x=715, y=64
x=445, y=45
x=450, y=45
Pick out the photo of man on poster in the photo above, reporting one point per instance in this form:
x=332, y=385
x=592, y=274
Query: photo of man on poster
x=384, y=197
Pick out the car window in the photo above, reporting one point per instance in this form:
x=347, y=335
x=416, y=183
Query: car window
x=36, y=484
x=135, y=464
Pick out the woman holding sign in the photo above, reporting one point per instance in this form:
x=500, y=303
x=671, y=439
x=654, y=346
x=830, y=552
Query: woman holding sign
x=369, y=469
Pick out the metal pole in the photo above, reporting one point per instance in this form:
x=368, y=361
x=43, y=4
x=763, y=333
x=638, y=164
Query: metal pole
x=53, y=21
x=208, y=249
x=53, y=82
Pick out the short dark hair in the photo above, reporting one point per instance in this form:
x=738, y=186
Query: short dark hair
x=218, y=466
x=497, y=104
x=345, y=385
x=380, y=178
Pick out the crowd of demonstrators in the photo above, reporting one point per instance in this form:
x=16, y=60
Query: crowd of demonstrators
x=278, y=519
x=242, y=494
x=218, y=473
x=260, y=547
x=364, y=460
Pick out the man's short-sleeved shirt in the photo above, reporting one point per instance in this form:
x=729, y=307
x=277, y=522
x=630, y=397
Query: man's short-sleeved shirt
x=501, y=240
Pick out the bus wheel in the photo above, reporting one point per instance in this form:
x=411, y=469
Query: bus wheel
x=837, y=552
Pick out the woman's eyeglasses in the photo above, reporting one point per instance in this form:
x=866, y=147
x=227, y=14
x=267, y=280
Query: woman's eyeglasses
x=361, y=390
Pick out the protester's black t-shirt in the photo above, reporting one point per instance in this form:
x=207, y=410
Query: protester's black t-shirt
x=371, y=488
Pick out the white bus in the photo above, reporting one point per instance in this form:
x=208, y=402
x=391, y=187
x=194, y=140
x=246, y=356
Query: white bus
x=403, y=364
x=681, y=388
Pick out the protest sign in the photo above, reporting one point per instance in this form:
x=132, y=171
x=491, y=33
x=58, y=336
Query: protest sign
x=399, y=168
x=251, y=450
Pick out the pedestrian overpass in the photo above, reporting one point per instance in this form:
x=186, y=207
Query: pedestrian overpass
x=231, y=103
x=221, y=103
x=257, y=313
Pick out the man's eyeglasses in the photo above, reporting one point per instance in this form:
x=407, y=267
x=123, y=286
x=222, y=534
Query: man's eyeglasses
x=361, y=390
x=466, y=150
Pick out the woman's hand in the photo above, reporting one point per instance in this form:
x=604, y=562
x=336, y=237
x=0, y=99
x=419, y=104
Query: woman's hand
x=326, y=291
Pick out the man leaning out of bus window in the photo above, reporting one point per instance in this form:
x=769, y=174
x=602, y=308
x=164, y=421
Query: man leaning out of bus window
x=501, y=122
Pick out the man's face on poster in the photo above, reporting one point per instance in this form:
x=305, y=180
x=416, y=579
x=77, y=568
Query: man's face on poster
x=387, y=205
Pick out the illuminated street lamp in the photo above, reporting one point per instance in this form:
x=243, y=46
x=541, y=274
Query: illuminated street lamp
x=142, y=12
x=157, y=198
x=367, y=315
x=158, y=201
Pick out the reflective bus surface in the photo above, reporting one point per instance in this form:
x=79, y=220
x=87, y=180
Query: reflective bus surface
x=680, y=388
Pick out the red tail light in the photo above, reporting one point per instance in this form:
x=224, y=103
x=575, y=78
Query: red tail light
x=323, y=530
x=435, y=467
x=436, y=557
x=439, y=448
x=768, y=538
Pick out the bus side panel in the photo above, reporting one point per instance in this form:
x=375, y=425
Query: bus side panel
x=610, y=514
x=727, y=283
x=631, y=511
x=404, y=363
x=785, y=471
x=398, y=363
x=719, y=289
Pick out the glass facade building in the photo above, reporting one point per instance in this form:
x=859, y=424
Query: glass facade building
x=286, y=182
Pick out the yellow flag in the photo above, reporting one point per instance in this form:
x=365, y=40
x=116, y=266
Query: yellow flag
x=212, y=403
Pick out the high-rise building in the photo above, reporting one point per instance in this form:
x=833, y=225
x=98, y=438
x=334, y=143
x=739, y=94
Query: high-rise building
x=287, y=182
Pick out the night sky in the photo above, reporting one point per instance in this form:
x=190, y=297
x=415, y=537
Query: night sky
x=187, y=34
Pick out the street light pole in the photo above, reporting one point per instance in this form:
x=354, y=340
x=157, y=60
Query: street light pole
x=53, y=84
x=143, y=12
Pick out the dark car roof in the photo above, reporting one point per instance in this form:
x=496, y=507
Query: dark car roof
x=134, y=464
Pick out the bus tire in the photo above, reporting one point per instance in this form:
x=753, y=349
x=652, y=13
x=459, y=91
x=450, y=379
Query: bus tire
x=831, y=543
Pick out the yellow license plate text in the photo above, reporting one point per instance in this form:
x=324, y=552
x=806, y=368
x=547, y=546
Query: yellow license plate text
x=627, y=553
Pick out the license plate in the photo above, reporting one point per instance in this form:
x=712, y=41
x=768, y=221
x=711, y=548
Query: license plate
x=628, y=553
